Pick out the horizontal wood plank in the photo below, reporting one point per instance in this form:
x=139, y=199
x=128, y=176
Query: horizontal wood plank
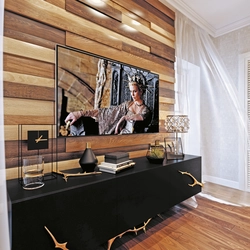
x=109, y=52
x=101, y=142
x=25, y=91
x=119, y=28
x=28, y=79
x=163, y=8
x=147, y=31
x=28, y=111
x=27, y=66
x=27, y=50
x=59, y=3
x=151, y=57
x=104, y=8
x=147, y=11
x=28, y=30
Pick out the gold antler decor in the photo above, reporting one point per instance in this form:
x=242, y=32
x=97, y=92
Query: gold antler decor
x=57, y=245
x=67, y=175
x=195, y=181
x=110, y=242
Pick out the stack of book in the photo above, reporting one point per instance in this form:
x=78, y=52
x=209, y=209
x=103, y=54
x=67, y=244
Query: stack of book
x=115, y=162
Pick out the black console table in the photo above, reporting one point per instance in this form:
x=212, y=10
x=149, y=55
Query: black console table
x=88, y=211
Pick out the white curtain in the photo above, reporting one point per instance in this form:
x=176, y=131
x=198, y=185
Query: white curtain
x=4, y=227
x=219, y=124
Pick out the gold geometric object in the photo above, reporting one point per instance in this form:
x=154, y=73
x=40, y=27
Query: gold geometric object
x=57, y=245
x=195, y=181
x=110, y=242
x=67, y=175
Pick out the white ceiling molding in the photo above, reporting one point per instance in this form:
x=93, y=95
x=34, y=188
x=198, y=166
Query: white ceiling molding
x=188, y=12
x=217, y=17
x=233, y=26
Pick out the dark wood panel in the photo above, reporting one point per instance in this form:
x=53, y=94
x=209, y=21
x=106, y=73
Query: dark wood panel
x=19, y=90
x=165, y=52
x=158, y=48
x=11, y=149
x=59, y=3
x=28, y=30
x=167, y=93
x=29, y=38
x=28, y=66
x=141, y=8
x=152, y=13
x=104, y=8
x=109, y=52
x=165, y=107
x=114, y=141
x=151, y=57
x=162, y=8
x=28, y=119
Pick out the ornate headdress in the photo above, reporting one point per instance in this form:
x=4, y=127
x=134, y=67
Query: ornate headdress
x=139, y=79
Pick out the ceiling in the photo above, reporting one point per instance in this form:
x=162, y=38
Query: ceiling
x=217, y=17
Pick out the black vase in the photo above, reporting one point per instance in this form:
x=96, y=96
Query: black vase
x=88, y=160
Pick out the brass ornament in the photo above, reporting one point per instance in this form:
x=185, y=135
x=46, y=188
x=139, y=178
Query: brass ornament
x=110, y=241
x=67, y=175
x=195, y=181
x=57, y=245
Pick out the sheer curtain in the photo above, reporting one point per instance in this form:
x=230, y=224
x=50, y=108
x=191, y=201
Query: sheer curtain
x=218, y=126
x=4, y=227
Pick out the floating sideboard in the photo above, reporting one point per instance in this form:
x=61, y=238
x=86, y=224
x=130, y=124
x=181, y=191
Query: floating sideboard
x=87, y=211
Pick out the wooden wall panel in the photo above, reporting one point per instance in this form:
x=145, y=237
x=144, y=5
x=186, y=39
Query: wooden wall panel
x=32, y=28
x=28, y=30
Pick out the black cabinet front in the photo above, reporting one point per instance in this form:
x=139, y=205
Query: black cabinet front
x=88, y=211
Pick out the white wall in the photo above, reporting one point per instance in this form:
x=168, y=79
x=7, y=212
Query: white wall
x=230, y=46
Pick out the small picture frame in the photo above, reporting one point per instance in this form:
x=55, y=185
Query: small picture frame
x=173, y=147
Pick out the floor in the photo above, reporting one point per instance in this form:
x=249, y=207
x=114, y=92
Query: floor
x=228, y=195
x=216, y=218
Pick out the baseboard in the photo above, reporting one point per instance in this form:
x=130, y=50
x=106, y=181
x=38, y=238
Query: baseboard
x=220, y=181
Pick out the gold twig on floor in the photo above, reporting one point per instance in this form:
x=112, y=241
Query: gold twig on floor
x=67, y=175
x=57, y=245
x=195, y=181
x=135, y=230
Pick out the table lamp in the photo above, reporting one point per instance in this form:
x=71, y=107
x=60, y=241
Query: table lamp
x=175, y=124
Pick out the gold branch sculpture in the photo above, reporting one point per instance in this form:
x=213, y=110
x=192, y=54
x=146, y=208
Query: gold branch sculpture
x=57, y=245
x=67, y=175
x=195, y=181
x=135, y=230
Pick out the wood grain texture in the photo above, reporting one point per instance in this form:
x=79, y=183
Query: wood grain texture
x=27, y=66
x=35, y=32
x=25, y=111
x=117, y=27
x=32, y=28
x=28, y=50
x=161, y=7
x=212, y=225
x=59, y=3
x=147, y=31
x=28, y=79
x=148, y=12
x=101, y=142
x=106, y=9
x=109, y=52
x=25, y=91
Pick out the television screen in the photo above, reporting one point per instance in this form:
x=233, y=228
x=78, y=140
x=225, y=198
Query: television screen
x=101, y=96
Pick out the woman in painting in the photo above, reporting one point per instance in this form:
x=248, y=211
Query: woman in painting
x=120, y=119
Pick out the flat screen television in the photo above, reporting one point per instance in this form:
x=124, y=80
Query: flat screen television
x=87, y=82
